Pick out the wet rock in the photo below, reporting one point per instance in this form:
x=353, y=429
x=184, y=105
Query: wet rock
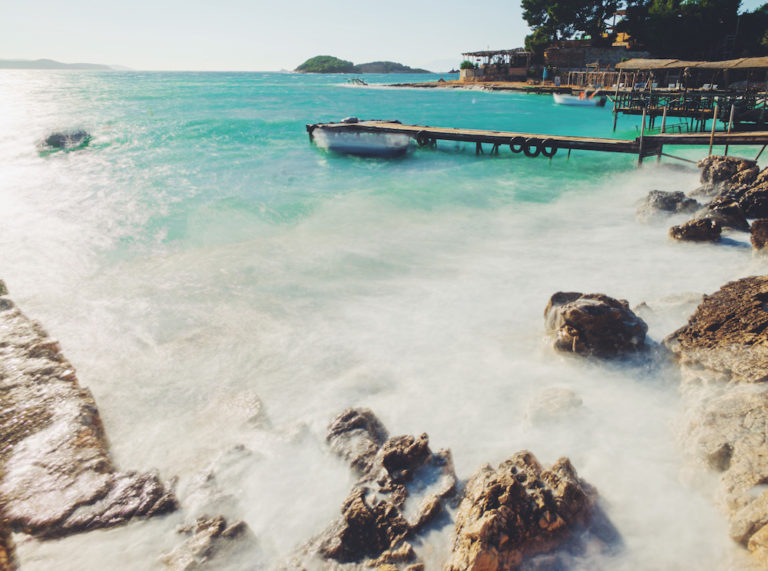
x=728, y=171
x=759, y=233
x=726, y=339
x=552, y=404
x=356, y=435
x=68, y=140
x=207, y=537
x=754, y=200
x=516, y=511
x=58, y=477
x=727, y=213
x=7, y=549
x=403, y=488
x=701, y=230
x=729, y=434
x=594, y=324
x=659, y=202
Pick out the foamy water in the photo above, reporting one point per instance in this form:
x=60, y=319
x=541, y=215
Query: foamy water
x=225, y=288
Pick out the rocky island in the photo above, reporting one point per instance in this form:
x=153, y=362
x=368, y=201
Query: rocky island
x=330, y=64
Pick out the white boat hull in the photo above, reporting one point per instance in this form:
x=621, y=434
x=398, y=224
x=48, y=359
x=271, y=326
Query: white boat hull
x=562, y=99
x=362, y=143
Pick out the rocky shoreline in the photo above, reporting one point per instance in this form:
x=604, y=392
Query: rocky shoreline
x=57, y=477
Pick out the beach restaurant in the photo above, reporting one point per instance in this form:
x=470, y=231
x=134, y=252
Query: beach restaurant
x=736, y=74
x=496, y=65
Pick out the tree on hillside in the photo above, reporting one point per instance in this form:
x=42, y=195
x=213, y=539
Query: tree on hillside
x=553, y=20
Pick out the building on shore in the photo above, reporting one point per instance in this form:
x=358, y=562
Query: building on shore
x=496, y=65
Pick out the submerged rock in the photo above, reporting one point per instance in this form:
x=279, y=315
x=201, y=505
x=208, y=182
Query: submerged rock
x=68, y=140
x=726, y=339
x=759, y=233
x=516, y=511
x=207, y=537
x=659, y=202
x=551, y=405
x=58, y=477
x=701, y=230
x=403, y=487
x=594, y=324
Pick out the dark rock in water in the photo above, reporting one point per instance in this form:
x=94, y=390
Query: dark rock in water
x=594, y=324
x=729, y=433
x=207, y=537
x=701, y=230
x=754, y=201
x=728, y=171
x=402, y=489
x=727, y=337
x=661, y=202
x=356, y=435
x=519, y=510
x=58, y=477
x=759, y=233
x=727, y=213
x=7, y=549
x=68, y=140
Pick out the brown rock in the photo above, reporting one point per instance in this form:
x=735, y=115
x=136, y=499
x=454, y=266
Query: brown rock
x=659, y=202
x=702, y=230
x=58, y=476
x=728, y=170
x=727, y=337
x=7, y=550
x=207, y=537
x=727, y=213
x=594, y=324
x=754, y=200
x=516, y=511
x=395, y=474
x=759, y=233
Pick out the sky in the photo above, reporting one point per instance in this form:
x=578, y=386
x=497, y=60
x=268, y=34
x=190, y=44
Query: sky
x=257, y=35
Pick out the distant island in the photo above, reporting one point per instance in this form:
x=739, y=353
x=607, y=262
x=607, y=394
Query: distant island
x=330, y=64
x=49, y=64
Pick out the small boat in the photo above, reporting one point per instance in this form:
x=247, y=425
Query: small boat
x=588, y=101
x=361, y=143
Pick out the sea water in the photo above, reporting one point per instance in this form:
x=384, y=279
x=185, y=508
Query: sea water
x=224, y=288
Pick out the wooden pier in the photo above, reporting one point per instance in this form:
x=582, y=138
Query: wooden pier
x=533, y=144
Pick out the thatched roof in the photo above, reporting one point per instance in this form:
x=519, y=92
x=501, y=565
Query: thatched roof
x=663, y=64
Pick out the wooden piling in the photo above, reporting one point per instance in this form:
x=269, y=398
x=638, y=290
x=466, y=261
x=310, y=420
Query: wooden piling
x=714, y=126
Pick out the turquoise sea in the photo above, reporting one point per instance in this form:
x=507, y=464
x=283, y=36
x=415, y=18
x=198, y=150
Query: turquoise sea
x=224, y=288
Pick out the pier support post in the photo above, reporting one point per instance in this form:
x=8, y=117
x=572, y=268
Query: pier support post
x=478, y=148
x=730, y=125
x=714, y=126
x=642, y=141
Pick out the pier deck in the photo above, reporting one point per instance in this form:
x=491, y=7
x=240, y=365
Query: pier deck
x=532, y=143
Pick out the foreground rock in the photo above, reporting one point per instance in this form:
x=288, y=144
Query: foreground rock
x=729, y=433
x=719, y=171
x=759, y=233
x=700, y=230
x=727, y=212
x=207, y=537
x=403, y=487
x=68, y=140
x=726, y=339
x=58, y=477
x=516, y=511
x=736, y=180
x=594, y=324
x=659, y=202
x=7, y=551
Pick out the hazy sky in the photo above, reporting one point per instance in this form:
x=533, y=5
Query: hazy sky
x=256, y=34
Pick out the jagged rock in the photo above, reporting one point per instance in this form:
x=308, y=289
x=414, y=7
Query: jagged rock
x=701, y=230
x=378, y=518
x=206, y=538
x=552, y=404
x=754, y=200
x=727, y=171
x=516, y=511
x=68, y=140
x=356, y=435
x=727, y=337
x=7, y=549
x=594, y=324
x=727, y=213
x=58, y=477
x=729, y=433
x=759, y=233
x=662, y=202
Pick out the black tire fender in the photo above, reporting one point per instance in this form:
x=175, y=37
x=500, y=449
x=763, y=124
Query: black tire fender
x=422, y=139
x=548, y=148
x=516, y=144
x=532, y=147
